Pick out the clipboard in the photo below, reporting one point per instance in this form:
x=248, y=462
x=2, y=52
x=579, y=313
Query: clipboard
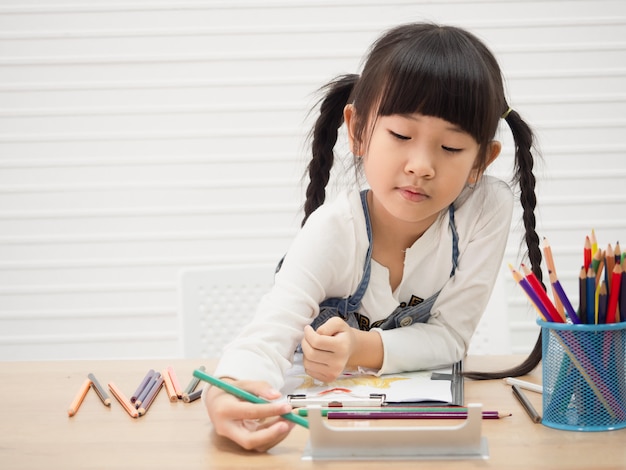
x=442, y=387
x=301, y=400
x=463, y=441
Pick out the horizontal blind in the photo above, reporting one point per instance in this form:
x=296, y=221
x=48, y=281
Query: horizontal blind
x=141, y=138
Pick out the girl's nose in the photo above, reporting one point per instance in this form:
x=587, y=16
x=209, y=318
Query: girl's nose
x=420, y=163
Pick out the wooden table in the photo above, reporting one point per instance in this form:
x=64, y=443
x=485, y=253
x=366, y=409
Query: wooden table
x=36, y=432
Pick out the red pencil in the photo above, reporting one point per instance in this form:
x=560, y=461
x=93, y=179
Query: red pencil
x=541, y=293
x=587, y=252
x=614, y=290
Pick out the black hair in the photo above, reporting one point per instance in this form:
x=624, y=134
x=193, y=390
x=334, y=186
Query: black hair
x=439, y=71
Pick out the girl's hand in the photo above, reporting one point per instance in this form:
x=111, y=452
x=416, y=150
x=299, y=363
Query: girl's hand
x=253, y=426
x=326, y=352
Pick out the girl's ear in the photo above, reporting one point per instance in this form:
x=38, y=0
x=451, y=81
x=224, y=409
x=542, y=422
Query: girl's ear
x=495, y=147
x=492, y=153
x=349, y=117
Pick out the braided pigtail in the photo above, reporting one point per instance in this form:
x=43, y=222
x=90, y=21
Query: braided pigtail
x=525, y=178
x=324, y=138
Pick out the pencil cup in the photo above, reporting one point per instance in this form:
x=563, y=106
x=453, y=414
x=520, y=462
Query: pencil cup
x=584, y=376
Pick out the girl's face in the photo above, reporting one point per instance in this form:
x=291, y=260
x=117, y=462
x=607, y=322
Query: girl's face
x=416, y=166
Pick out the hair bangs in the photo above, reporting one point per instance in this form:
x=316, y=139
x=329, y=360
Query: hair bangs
x=442, y=75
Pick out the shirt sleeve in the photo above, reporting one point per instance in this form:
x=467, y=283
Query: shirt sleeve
x=483, y=225
x=320, y=263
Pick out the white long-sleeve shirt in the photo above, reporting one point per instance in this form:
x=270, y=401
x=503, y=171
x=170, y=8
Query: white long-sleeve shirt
x=327, y=258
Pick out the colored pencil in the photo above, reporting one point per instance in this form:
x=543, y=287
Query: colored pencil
x=175, y=383
x=622, y=297
x=560, y=294
x=524, y=384
x=125, y=402
x=410, y=415
x=609, y=263
x=602, y=304
x=600, y=269
x=191, y=386
x=587, y=253
x=144, y=393
x=245, y=395
x=591, y=297
x=169, y=386
x=80, y=396
x=152, y=393
x=530, y=292
x=597, y=259
x=594, y=242
x=193, y=396
x=582, y=295
x=614, y=294
x=547, y=251
x=388, y=409
x=541, y=293
x=526, y=404
x=142, y=385
x=102, y=394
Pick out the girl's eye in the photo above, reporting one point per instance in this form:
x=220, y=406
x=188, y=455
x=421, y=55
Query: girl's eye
x=451, y=149
x=399, y=136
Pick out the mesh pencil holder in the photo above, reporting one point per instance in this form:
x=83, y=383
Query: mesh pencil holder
x=584, y=376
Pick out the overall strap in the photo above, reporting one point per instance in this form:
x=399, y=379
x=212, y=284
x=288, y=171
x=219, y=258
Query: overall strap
x=455, y=240
x=353, y=302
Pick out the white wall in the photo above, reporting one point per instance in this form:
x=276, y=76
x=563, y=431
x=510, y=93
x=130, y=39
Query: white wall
x=140, y=138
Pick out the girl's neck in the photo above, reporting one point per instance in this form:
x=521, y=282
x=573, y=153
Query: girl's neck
x=391, y=233
x=391, y=238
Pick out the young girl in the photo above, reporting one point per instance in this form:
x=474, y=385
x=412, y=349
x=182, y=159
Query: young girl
x=396, y=277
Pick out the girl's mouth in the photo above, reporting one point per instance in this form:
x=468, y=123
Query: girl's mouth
x=413, y=195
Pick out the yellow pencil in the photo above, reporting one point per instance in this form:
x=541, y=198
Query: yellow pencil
x=594, y=242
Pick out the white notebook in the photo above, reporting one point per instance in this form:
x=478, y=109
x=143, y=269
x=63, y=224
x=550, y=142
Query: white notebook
x=440, y=386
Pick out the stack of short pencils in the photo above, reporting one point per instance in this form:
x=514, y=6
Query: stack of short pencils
x=602, y=287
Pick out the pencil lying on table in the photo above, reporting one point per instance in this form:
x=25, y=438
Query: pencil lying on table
x=100, y=391
x=125, y=402
x=410, y=415
x=80, y=396
x=392, y=409
x=526, y=404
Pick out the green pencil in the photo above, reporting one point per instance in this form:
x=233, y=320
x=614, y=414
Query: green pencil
x=245, y=395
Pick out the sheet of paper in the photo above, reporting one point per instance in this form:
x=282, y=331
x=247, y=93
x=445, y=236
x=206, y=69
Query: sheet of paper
x=409, y=387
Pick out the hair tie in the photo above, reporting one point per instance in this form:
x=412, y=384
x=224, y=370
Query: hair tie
x=506, y=113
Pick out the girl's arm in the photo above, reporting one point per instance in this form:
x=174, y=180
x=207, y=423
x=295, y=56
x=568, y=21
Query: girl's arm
x=483, y=224
x=325, y=260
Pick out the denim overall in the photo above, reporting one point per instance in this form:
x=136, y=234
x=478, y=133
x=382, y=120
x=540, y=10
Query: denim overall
x=347, y=308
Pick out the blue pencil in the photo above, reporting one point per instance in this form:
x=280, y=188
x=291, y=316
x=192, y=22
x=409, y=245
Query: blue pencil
x=244, y=395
